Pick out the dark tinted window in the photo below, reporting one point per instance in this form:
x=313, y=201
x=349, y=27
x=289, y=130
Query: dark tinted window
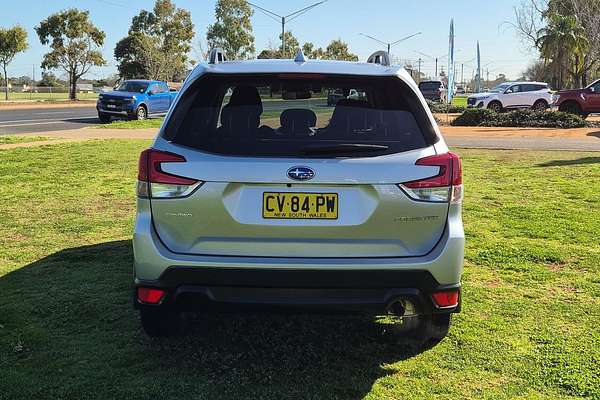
x=429, y=85
x=289, y=116
x=532, y=88
x=132, y=86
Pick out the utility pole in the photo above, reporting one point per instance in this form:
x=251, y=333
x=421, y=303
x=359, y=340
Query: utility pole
x=32, y=82
x=391, y=44
x=285, y=18
x=462, y=74
x=420, y=68
x=436, y=63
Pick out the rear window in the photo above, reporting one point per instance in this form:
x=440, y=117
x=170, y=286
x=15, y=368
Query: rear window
x=429, y=85
x=295, y=116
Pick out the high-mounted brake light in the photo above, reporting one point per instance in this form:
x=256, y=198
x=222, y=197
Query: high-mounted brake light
x=441, y=188
x=154, y=182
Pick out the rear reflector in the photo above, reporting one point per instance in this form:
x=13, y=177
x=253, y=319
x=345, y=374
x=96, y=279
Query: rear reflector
x=446, y=299
x=154, y=182
x=149, y=295
x=441, y=188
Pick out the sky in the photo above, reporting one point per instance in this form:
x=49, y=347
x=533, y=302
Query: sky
x=387, y=20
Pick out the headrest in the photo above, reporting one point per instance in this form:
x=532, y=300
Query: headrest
x=298, y=116
x=240, y=118
x=245, y=96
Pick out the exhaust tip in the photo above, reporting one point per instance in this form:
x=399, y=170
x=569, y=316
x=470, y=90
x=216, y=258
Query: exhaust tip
x=401, y=308
x=397, y=308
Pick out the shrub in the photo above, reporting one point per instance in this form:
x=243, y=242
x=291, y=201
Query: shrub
x=443, y=108
x=519, y=119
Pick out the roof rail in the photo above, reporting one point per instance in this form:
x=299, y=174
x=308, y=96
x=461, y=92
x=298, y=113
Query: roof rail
x=216, y=56
x=380, y=57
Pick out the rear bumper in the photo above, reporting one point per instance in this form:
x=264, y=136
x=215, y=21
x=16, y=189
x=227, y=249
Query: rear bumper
x=347, y=290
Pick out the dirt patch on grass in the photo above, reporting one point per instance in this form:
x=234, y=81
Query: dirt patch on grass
x=476, y=131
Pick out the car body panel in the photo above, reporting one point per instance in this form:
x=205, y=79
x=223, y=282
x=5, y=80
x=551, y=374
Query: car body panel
x=588, y=98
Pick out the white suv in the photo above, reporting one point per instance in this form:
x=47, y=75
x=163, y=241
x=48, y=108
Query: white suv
x=512, y=95
x=256, y=194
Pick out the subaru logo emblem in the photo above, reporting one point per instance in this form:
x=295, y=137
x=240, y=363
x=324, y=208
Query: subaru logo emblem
x=300, y=173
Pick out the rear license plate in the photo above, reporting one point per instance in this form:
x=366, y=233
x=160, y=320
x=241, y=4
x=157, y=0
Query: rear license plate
x=277, y=205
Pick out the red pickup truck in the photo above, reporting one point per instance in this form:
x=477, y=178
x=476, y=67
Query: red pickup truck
x=580, y=101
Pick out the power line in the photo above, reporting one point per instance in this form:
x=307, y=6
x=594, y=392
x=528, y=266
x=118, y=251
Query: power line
x=286, y=18
x=391, y=44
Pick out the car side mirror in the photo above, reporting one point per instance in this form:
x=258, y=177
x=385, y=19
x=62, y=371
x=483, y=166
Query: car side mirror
x=150, y=92
x=508, y=91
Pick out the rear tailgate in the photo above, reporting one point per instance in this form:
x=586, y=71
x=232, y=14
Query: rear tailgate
x=225, y=216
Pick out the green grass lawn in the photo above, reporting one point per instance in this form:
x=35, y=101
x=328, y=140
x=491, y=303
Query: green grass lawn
x=9, y=139
x=529, y=327
x=460, y=101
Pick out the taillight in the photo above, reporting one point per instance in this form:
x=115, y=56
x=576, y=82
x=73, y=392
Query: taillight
x=154, y=182
x=441, y=188
x=150, y=295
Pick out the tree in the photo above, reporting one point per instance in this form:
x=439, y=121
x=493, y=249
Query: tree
x=49, y=80
x=538, y=71
x=157, y=43
x=338, y=50
x=536, y=17
x=309, y=50
x=12, y=42
x=232, y=30
x=563, y=44
x=291, y=45
x=74, y=43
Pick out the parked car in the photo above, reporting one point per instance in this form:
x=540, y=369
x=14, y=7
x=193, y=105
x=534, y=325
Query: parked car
x=582, y=102
x=433, y=90
x=460, y=90
x=513, y=95
x=333, y=96
x=135, y=99
x=357, y=209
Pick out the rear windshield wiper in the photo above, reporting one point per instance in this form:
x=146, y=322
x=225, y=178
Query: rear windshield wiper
x=343, y=148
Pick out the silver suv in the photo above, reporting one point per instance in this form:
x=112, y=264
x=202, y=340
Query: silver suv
x=256, y=194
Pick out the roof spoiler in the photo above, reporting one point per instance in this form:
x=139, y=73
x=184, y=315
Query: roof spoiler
x=216, y=56
x=379, y=57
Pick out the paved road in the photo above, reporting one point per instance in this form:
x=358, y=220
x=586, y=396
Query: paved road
x=46, y=119
x=57, y=119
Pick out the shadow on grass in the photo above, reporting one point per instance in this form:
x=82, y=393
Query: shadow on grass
x=73, y=312
x=578, y=161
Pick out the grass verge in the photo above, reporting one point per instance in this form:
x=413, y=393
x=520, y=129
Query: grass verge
x=529, y=326
x=9, y=139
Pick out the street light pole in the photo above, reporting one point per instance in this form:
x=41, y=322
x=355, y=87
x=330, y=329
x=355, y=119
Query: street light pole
x=285, y=18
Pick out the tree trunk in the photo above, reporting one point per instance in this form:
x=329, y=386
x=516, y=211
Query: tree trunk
x=5, y=82
x=73, y=88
